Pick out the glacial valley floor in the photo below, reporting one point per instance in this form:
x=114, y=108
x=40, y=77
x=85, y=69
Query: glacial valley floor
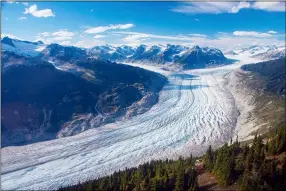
x=194, y=110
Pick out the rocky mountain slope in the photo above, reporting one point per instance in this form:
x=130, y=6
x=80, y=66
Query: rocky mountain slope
x=273, y=73
x=259, y=91
x=56, y=52
x=40, y=102
x=198, y=57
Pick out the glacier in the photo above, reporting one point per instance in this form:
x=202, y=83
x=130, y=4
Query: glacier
x=195, y=110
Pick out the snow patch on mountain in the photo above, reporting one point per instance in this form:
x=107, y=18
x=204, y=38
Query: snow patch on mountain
x=20, y=47
x=271, y=54
x=262, y=52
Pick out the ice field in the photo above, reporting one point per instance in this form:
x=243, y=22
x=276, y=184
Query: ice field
x=194, y=110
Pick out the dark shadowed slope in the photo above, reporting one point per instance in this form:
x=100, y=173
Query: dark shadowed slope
x=273, y=72
x=40, y=102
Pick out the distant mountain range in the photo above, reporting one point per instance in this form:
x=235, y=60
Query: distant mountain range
x=184, y=57
x=262, y=52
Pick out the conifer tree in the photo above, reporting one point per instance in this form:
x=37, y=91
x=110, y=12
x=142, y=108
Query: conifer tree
x=209, y=159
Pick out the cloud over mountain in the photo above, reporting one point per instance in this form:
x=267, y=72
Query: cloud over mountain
x=102, y=29
x=253, y=34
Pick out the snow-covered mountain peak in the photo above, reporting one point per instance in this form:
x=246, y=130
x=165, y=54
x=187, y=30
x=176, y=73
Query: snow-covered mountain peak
x=40, y=42
x=21, y=47
x=205, y=50
x=152, y=54
x=196, y=48
x=8, y=41
x=263, y=52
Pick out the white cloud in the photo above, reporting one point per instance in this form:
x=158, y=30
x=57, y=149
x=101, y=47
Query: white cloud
x=56, y=37
x=137, y=35
x=270, y=6
x=62, y=38
x=22, y=18
x=87, y=43
x=135, y=38
x=251, y=34
x=198, y=35
x=65, y=43
x=227, y=7
x=241, y=5
x=99, y=36
x=209, y=7
x=221, y=40
x=102, y=29
x=232, y=42
x=25, y=3
x=63, y=33
x=58, y=40
x=272, y=32
x=44, y=34
x=33, y=10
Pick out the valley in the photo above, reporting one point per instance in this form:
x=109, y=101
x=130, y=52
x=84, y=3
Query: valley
x=143, y=96
x=195, y=109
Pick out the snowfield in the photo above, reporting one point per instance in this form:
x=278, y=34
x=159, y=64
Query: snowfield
x=24, y=48
x=195, y=109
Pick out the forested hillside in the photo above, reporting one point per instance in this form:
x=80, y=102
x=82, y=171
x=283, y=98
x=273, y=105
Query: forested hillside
x=156, y=175
x=260, y=166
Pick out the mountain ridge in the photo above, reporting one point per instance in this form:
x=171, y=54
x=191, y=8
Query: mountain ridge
x=41, y=102
x=156, y=54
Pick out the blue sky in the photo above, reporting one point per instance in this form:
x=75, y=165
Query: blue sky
x=86, y=24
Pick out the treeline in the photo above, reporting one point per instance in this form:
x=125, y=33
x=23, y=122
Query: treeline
x=261, y=166
x=258, y=166
x=156, y=175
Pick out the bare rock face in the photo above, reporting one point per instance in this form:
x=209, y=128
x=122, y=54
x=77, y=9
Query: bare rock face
x=142, y=106
x=259, y=92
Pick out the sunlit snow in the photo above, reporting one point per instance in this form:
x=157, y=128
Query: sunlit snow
x=194, y=110
x=22, y=47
